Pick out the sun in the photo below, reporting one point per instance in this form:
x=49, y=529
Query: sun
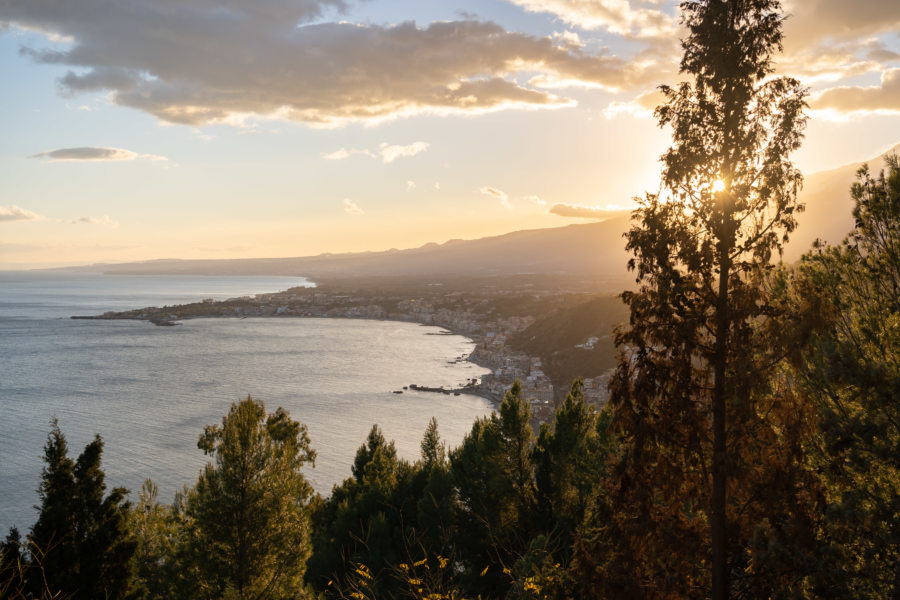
x=718, y=185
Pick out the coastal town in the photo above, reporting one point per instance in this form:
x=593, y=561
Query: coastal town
x=495, y=319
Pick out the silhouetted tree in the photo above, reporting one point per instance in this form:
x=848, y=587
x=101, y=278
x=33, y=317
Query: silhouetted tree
x=694, y=394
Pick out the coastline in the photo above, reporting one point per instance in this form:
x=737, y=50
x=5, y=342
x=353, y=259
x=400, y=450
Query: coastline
x=521, y=333
x=494, y=399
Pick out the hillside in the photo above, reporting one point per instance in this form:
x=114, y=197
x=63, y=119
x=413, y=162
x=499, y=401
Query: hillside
x=559, y=339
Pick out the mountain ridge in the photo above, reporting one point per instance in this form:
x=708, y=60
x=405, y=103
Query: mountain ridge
x=582, y=249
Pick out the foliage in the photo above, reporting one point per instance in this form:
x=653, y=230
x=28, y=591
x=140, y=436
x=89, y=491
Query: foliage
x=851, y=367
x=156, y=528
x=710, y=428
x=80, y=546
x=365, y=520
x=246, y=521
x=494, y=478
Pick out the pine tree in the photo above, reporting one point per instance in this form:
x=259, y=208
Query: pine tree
x=695, y=395
x=852, y=369
x=494, y=477
x=80, y=542
x=362, y=526
x=247, y=517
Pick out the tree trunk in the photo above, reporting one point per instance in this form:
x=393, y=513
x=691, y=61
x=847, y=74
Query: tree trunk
x=719, y=463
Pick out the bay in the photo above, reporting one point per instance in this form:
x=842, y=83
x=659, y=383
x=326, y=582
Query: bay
x=149, y=391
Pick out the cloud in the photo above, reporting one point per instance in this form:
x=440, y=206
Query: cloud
x=351, y=208
x=498, y=194
x=95, y=154
x=390, y=153
x=197, y=62
x=104, y=220
x=336, y=155
x=386, y=152
x=630, y=18
x=830, y=40
x=87, y=153
x=537, y=200
x=16, y=213
x=848, y=99
x=410, y=185
x=812, y=21
x=640, y=107
x=585, y=212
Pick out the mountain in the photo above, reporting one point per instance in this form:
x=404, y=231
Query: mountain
x=594, y=250
x=829, y=206
x=585, y=249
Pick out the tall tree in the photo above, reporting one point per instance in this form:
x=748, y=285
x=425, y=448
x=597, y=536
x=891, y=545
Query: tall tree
x=247, y=517
x=688, y=392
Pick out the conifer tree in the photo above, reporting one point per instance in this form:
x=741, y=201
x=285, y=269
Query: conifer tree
x=81, y=538
x=493, y=473
x=246, y=520
x=694, y=392
x=851, y=367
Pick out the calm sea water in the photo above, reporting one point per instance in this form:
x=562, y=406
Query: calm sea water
x=148, y=391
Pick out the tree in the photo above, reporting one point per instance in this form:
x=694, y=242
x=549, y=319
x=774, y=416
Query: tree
x=494, y=477
x=247, y=518
x=362, y=527
x=691, y=390
x=156, y=528
x=851, y=368
x=80, y=546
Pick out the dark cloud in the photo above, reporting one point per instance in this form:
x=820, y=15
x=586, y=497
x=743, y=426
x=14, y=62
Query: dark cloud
x=201, y=61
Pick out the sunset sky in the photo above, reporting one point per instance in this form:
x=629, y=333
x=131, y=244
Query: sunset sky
x=141, y=129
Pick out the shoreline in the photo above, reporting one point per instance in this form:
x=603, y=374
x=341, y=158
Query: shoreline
x=492, y=398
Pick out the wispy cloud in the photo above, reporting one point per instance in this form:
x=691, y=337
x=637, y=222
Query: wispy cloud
x=497, y=194
x=586, y=212
x=410, y=185
x=386, y=152
x=537, y=200
x=351, y=208
x=392, y=152
x=16, y=213
x=88, y=153
x=336, y=155
x=104, y=220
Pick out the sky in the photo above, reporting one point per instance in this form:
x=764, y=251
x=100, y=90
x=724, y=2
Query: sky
x=146, y=129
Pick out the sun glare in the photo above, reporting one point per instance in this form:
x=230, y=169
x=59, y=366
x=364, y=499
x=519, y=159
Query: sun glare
x=718, y=185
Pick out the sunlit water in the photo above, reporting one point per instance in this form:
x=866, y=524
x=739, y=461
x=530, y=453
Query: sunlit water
x=148, y=390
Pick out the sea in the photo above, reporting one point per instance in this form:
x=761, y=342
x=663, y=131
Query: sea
x=148, y=391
